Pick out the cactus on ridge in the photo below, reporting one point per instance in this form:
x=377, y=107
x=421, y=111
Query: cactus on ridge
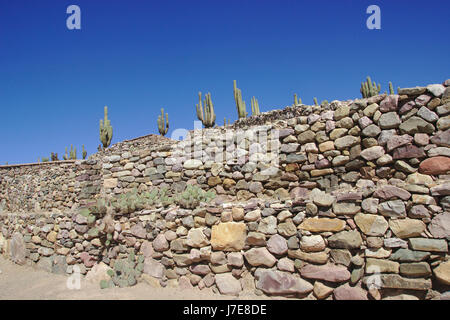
x=106, y=130
x=163, y=126
x=207, y=116
x=369, y=89
x=240, y=104
x=255, y=107
x=84, y=152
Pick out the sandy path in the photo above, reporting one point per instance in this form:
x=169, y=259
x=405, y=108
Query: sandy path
x=25, y=282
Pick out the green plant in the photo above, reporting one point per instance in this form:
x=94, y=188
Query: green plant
x=65, y=156
x=206, y=116
x=191, y=197
x=315, y=101
x=163, y=127
x=125, y=272
x=106, y=130
x=54, y=156
x=391, y=88
x=255, y=107
x=45, y=159
x=240, y=104
x=369, y=89
x=297, y=101
x=84, y=152
x=73, y=153
x=225, y=121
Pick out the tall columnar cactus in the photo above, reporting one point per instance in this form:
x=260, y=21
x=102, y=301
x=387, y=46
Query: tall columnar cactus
x=206, y=116
x=391, y=88
x=315, y=101
x=369, y=89
x=66, y=156
x=297, y=100
x=106, y=130
x=255, y=107
x=240, y=104
x=73, y=152
x=84, y=152
x=163, y=127
x=225, y=121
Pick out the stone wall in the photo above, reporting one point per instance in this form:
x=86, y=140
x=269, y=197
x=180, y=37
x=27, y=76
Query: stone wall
x=49, y=186
x=345, y=201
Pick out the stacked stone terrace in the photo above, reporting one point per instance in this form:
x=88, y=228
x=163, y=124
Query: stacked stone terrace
x=345, y=201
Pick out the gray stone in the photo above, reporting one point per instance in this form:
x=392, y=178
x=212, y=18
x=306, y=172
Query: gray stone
x=427, y=114
x=416, y=125
x=18, y=249
x=394, y=208
x=227, y=284
x=389, y=120
x=345, y=240
x=424, y=244
x=407, y=255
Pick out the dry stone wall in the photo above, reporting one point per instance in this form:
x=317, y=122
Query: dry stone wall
x=349, y=200
x=48, y=187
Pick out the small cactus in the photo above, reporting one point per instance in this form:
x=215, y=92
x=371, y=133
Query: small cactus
x=163, y=126
x=369, y=89
x=125, y=272
x=73, y=153
x=315, y=101
x=65, y=156
x=84, y=152
x=255, y=107
x=240, y=104
x=297, y=100
x=207, y=116
x=391, y=88
x=106, y=130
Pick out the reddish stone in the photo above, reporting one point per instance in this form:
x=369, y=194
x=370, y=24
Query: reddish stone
x=435, y=165
x=299, y=193
x=407, y=152
x=390, y=192
x=407, y=107
x=87, y=259
x=277, y=245
x=331, y=273
x=398, y=141
x=276, y=282
x=346, y=292
x=324, y=163
x=349, y=196
x=442, y=138
x=390, y=103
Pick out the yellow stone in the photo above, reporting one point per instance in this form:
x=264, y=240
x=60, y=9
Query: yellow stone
x=110, y=183
x=228, y=236
x=326, y=146
x=312, y=257
x=317, y=224
x=321, y=172
x=52, y=236
x=407, y=228
x=442, y=272
x=321, y=291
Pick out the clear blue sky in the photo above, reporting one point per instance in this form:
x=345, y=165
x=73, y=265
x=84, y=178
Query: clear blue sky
x=138, y=56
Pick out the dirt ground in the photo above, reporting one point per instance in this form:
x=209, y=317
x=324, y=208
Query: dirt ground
x=28, y=283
